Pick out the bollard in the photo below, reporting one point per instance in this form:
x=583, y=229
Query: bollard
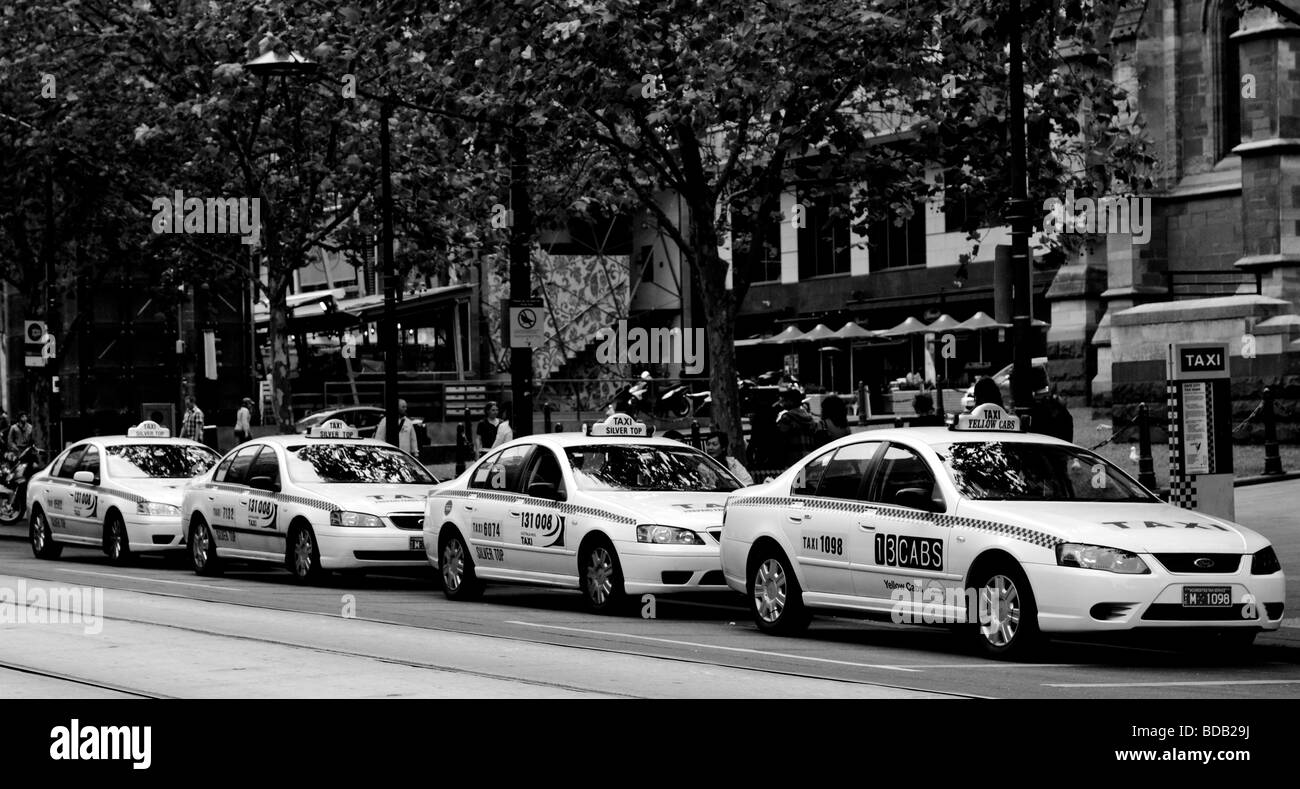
x=546, y=417
x=863, y=408
x=1146, y=466
x=461, y=450
x=1272, y=460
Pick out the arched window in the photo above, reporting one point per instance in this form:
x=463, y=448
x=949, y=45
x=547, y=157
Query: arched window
x=1220, y=21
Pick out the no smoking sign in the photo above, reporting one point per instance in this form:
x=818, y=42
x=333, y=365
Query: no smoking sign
x=525, y=323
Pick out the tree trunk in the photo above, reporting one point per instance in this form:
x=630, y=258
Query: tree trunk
x=720, y=322
x=279, y=339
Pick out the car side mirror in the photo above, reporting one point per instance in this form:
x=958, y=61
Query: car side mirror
x=263, y=482
x=917, y=498
x=87, y=477
x=544, y=490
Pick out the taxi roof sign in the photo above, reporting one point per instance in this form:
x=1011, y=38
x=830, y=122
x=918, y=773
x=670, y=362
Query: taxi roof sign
x=620, y=425
x=148, y=429
x=988, y=416
x=333, y=428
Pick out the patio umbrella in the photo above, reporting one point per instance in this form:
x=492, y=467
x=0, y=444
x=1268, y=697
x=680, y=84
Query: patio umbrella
x=791, y=334
x=852, y=331
x=943, y=323
x=978, y=323
x=820, y=332
x=911, y=326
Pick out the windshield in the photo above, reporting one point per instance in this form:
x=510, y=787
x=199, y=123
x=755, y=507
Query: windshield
x=316, y=463
x=632, y=467
x=1013, y=471
x=158, y=461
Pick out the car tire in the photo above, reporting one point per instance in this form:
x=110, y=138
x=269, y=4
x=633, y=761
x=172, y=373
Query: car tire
x=456, y=569
x=203, y=549
x=775, y=598
x=42, y=540
x=117, y=543
x=303, y=559
x=600, y=576
x=1006, y=622
x=11, y=511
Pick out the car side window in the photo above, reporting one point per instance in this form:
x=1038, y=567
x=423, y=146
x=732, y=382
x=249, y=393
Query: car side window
x=366, y=418
x=71, y=464
x=237, y=474
x=502, y=470
x=90, y=461
x=810, y=476
x=546, y=469
x=901, y=468
x=265, y=465
x=220, y=474
x=847, y=470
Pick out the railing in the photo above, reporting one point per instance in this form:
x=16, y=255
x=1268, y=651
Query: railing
x=1203, y=284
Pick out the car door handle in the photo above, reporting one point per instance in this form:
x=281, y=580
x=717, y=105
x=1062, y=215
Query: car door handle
x=799, y=518
x=516, y=513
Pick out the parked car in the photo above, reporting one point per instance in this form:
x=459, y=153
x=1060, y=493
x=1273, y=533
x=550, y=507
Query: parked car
x=365, y=418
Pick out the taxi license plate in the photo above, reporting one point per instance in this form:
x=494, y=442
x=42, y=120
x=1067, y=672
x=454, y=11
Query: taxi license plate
x=417, y=543
x=1207, y=596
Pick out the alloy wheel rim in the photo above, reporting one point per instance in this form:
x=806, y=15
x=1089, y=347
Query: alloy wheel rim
x=600, y=576
x=1000, y=610
x=302, y=551
x=199, y=546
x=115, y=540
x=38, y=532
x=770, y=590
x=453, y=565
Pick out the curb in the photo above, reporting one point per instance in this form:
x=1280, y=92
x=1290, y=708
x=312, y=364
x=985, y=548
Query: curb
x=1242, y=481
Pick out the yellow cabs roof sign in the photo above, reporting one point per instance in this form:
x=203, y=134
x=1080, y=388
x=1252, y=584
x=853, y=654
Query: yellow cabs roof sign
x=333, y=428
x=988, y=417
x=619, y=425
x=148, y=429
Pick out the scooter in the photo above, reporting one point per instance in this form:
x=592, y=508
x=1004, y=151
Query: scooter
x=14, y=474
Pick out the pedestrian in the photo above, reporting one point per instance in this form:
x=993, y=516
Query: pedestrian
x=795, y=426
x=986, y=391
x=923, y=404
x=4, y=432
x=1048, y=414
x=406, y=439
x=504, y=431
x=244, y=421
x=716, y=445
x=485, y=432
x=192, y=424
x=20, y=433
x=835, y=417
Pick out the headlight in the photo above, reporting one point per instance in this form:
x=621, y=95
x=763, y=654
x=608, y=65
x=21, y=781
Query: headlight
x=343, y=518
x=1265, y=562
x=667, y=535
x=156, y=508
x=1099, y=557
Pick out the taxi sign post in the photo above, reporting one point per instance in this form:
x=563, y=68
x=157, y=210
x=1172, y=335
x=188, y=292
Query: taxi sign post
x=333, y=428
x=148, y=429
x=988, y=416
x=1199, y=398
x=619, y=425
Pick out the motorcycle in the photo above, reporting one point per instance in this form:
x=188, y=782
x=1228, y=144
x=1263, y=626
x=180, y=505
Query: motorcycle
x=17, y=469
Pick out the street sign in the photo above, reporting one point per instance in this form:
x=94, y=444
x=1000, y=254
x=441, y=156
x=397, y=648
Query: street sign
x=525, y=323
x=34, y=339
x=1199, y=396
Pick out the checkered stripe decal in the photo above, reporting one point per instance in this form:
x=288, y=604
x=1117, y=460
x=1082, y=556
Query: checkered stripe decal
x=567, y=509
x=1021, y=533
x=122, y=494
x=284, y=497
x=1182, y=490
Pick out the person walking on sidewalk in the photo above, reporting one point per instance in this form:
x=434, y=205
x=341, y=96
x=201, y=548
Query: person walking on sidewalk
x=20, y=433
x=192, y=424
x=485, y=432
x=244, y=421
x=406, y=439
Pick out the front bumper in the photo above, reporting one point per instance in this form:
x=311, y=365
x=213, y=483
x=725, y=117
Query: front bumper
x=149, y=533
x=350, y=548
x=664, y=569
x=1070, y=599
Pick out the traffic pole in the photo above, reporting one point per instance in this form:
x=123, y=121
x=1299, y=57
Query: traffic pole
x=1146, y=466
x=1272, y=460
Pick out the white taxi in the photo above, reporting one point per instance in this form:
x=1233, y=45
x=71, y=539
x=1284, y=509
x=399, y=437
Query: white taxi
x=121, y=494
x=325, y=501
x=1008, y=534
x=612, y=512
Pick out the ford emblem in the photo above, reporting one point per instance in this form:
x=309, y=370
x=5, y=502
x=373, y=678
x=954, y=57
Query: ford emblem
x=1204, y=563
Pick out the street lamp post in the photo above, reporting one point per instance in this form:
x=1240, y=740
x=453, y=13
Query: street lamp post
x=1020, y=218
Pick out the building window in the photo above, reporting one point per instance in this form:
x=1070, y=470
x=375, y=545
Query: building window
x=896, y=246
x=769, y=260
x=1229, y=81
x=824, y=237
x=954, y=208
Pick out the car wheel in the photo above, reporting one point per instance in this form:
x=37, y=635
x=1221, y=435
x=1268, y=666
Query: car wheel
x=1006, y=627
x=43, y=544
x=11, y=509
x=203, y=549
x=304, y=555
x=601, y=578
x=459, y=581
x=775, y=599
x=117, y=543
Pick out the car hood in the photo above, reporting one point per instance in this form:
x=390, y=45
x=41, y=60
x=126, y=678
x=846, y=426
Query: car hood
x=1138, y=527
x=373, y=498
x=689, y=510
x=163, y=491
